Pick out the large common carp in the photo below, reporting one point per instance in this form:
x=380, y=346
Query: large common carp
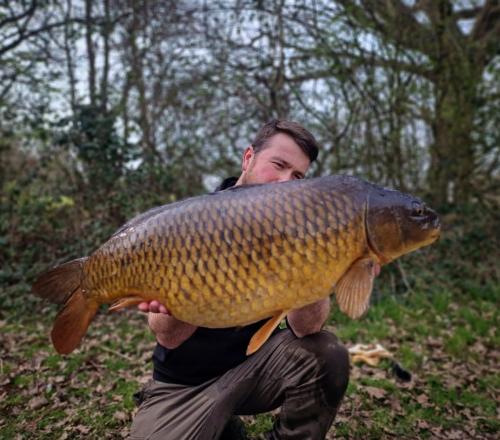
x=237, y=256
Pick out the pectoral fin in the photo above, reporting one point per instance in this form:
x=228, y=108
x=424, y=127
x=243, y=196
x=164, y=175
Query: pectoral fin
x=264, y=332
x=128, y=301
x=354, y=288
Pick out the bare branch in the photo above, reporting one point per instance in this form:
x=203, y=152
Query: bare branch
x=488, y=20
x=394, y=20
x=15, y=18
x=24, y=36
x=466, y=14
x=369, y=59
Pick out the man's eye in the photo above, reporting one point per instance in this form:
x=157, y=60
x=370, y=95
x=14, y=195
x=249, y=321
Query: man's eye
x=279, y=165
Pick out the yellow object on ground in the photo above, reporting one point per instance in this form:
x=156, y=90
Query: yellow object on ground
x=369, y=353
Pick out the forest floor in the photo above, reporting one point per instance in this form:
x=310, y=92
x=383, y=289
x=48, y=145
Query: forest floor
x=450, y=345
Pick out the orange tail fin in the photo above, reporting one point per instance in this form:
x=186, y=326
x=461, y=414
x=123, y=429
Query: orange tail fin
x=62, y=285
x=58, y=284
x=72, y=322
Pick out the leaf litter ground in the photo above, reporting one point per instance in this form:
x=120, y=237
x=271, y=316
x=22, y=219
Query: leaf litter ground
x=450, y=346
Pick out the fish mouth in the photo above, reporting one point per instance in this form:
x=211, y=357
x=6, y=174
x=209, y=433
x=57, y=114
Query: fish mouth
x=429, y=222
x=435, y=224
x=430, y=225
x=434, y=219
x=434, y=235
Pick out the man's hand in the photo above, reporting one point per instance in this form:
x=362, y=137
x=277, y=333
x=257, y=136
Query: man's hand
x=169, y=331
x=309, y=319
x=153, y=307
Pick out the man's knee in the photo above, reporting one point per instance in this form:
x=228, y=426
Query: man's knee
x=333, y=361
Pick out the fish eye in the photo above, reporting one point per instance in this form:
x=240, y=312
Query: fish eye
x=417, y=209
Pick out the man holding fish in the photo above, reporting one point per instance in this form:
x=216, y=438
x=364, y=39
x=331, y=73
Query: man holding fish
x=227, y=268
x=202, y=377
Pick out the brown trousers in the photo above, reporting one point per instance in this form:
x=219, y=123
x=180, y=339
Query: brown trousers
x=306, y=377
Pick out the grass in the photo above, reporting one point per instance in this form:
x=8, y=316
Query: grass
x=449, y=344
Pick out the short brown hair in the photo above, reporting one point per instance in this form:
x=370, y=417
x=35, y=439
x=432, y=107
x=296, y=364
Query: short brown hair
x=304, y=138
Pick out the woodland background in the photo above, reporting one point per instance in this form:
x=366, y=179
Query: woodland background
x=110, y=107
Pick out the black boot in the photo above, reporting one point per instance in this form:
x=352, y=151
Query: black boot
x=234, y=430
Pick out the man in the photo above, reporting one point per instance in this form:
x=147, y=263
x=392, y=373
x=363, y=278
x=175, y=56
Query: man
x=202, y=377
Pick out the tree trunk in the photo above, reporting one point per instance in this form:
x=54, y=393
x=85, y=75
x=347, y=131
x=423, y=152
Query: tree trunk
x=106, y=31
x=137, y=79
x=69, y=39
x=453, y=157
x=90, y=51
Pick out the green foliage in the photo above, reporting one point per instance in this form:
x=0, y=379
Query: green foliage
x=64, y=203
x=103, y=154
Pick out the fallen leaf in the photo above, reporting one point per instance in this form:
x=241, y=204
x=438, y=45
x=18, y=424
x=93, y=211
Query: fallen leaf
x=396, y=405
x=120, y=415
x=422, y=424
x=454, y=435
x=437, y=430
x=478, y=347
x=37, y=402
x=82, y=429
x=423, y=399
x=378, y=393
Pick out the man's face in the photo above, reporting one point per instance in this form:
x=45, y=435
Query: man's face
x=279, y=161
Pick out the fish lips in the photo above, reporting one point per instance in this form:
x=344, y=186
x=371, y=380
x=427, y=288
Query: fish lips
x=429, y=221
x=420, y=230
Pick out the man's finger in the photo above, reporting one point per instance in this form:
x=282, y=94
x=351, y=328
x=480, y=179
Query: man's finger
x=163, y=309
x=143, y=307
x=153, y=307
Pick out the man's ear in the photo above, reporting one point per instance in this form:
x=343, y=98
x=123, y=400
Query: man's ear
x=247, y=158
